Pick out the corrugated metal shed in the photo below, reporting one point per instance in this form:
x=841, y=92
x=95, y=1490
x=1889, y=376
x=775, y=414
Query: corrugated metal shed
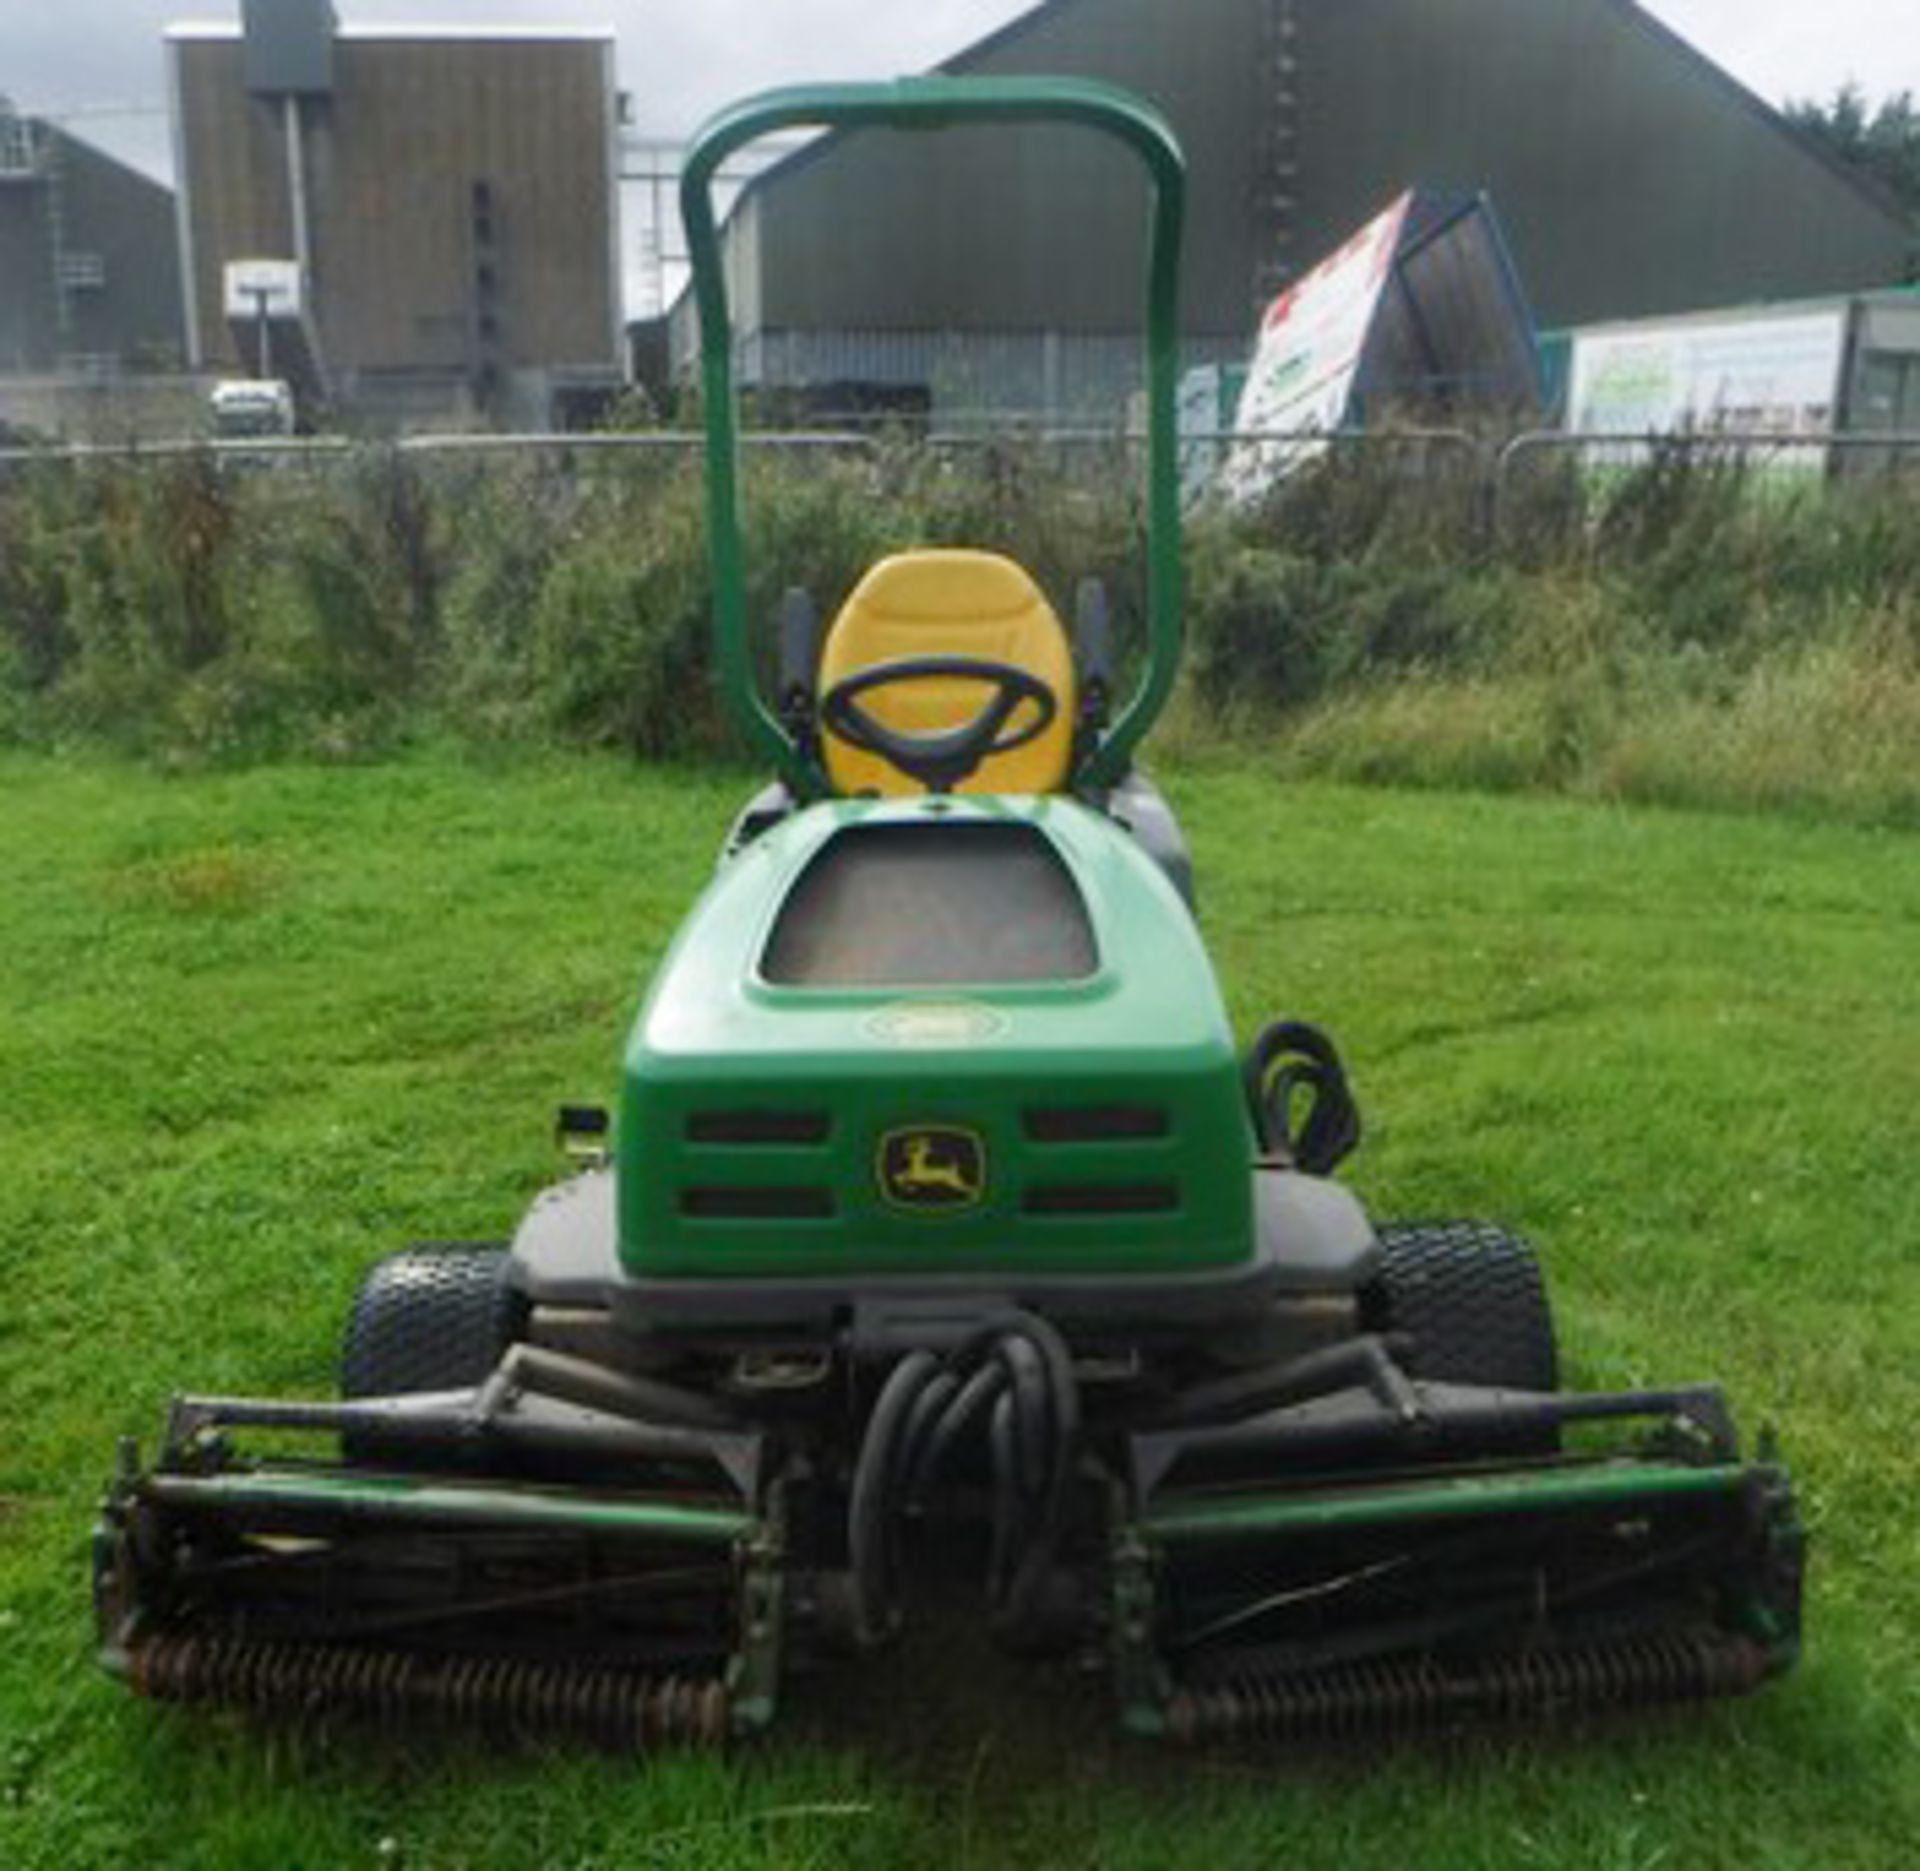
x=1632, y=175
x=88, y=273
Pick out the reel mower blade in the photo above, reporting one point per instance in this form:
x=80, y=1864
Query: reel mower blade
x=1366, y=1602
x=625, y=1618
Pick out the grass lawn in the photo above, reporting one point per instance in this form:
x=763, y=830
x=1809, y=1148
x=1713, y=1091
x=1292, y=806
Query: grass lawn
x=256, y=1030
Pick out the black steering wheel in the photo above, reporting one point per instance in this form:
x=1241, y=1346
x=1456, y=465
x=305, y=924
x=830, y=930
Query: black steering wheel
x=942, y=759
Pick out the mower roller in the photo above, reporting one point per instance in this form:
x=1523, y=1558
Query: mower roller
x=939, y=1222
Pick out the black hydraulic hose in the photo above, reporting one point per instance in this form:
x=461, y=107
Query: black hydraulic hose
x=1006, y=1498
x=1289, y=1055
x=967, y=1408
x=869, y=1502
x=1062, y=1406
x=1032, y=1415
x=922, y=1420
x=1018, y=1611
x=1017, y=1373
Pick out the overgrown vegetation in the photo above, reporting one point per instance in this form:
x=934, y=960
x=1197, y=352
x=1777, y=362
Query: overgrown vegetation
x=1690, y=629
x=1694, y=630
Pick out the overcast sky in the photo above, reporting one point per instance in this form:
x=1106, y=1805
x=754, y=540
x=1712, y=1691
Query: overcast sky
x=100, y=59
x=679, y=58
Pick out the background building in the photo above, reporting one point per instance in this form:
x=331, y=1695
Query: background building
x=444, y=199
x=1632, y=175
x=89, y=282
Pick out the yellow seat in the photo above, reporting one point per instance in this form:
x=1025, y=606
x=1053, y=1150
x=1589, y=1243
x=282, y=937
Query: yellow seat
x=949, y=603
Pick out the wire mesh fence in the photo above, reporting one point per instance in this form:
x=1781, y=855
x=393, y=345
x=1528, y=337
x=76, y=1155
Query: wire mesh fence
x=264, y=593
x=1501, y=477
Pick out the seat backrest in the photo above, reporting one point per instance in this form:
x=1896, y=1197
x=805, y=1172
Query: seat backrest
x=949, y=603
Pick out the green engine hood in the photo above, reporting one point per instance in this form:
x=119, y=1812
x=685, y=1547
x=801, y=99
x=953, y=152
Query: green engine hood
x=778, y=1118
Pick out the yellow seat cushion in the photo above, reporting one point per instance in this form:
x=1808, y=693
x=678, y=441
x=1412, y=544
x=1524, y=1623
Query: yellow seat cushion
x=949, y=603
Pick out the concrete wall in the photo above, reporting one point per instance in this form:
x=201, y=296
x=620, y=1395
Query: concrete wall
x=109, y=410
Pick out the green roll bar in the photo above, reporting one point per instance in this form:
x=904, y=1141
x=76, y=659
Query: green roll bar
x=925, y=104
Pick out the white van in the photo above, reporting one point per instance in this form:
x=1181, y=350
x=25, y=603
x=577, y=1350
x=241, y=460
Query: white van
x=245, y=406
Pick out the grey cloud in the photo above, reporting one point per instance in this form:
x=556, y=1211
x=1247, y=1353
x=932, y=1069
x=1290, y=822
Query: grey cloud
x=680, y=59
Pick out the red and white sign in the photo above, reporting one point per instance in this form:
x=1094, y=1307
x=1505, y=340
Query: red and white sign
x=1301, y=378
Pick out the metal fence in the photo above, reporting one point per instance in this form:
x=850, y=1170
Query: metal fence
x=321, y=449
x=1488, y=481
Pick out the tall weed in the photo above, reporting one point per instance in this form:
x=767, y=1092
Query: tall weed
x=1687, y=629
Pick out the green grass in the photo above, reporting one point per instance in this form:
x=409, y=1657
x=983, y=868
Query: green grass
x=261, y=1027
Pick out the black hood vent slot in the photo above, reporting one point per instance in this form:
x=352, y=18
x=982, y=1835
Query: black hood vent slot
x=764, y=1127
x=1094, y=1123
x=1155, y=1197
x=754, y=1202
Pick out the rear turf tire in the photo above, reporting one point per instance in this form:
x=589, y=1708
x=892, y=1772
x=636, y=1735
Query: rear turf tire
x=1471, y=1297
x=432, y=1318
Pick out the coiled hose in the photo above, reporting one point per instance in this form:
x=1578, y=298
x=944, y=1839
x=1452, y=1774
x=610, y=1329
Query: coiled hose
x=1292, y=1057
x=1015, y=1375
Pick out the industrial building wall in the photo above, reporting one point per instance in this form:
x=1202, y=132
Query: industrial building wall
x=233, y=177
x=1632, y=175
x=393, y=157
x=117, y=234
x=28, y=323
x=119, y=216
x=1030, y=228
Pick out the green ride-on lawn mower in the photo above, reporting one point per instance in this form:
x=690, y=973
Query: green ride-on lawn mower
x=937, y=1201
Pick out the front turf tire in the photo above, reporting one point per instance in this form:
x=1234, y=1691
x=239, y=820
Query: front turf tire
x=432, y=1318
x=1471, y=1297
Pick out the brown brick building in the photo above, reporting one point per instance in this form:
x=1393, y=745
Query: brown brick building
x=448, y=196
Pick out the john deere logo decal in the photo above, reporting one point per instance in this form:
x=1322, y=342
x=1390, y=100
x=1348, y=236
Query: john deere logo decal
x=932, y=1168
